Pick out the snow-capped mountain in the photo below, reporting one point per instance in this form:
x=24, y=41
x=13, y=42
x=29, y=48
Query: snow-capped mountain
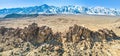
x=70, y=9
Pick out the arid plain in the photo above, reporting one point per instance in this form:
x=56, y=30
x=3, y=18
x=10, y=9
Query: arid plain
x=61, y=23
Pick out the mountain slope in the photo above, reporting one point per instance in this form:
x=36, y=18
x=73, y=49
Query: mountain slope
x=70, y=9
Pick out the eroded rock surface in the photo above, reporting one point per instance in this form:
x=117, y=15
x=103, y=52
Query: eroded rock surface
x=41, y=41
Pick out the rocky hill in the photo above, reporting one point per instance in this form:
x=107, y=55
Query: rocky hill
x=41, y=41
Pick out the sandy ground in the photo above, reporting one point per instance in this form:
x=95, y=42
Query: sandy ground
x=61, y=23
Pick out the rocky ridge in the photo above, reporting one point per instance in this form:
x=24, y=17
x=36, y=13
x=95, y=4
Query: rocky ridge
x=41, y=41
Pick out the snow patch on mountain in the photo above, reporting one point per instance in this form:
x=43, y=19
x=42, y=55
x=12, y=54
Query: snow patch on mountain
x=70, y=9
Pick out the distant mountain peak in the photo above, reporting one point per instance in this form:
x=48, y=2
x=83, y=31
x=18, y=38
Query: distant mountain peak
x=45, y=5
x=70, y=9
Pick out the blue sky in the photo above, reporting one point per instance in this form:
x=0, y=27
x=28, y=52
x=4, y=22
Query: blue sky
x=87, y=3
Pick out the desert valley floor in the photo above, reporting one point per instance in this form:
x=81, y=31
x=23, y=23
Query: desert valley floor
x=61, y=23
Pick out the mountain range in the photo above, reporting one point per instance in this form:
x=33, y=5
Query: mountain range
x=70, y=9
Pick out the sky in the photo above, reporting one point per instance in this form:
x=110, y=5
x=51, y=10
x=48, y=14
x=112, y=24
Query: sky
x=86, y=3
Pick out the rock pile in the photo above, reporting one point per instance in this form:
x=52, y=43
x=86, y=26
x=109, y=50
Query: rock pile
x=77, y=41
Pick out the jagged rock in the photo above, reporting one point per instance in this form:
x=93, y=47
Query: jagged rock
x=3, y=30
x=108, y=34
x=29, y=33
x=45, y=34
x=1, y=49
x=27, y=47
x=36, y=34
x=78, y=33
x=77, y=41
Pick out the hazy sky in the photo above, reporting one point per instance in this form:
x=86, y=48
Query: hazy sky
x=87, y=3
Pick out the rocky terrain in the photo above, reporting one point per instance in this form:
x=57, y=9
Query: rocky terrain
x=42, y=41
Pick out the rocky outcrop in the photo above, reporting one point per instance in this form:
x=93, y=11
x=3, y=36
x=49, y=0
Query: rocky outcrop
x=77, y=41
x=78, y=33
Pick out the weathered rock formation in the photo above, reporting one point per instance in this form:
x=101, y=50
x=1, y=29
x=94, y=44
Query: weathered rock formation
x=77, y=41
